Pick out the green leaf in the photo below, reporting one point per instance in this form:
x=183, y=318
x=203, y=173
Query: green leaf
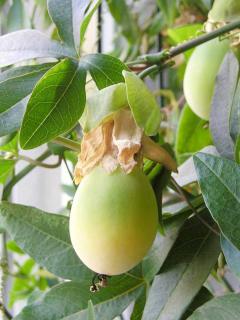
x=87, y=19
x=104, y=69
x=184, y=33
x=187, y=267
x=4, y=141
x=143, y=104
x=102, y=104
x=29, y=44
x=232, y=255
x=91, y=313
x=192, y=135
x=47, y=240
x=55, y=106
x=202, y=297
x=67, y=16
x=221, y=308
x=139, y=306
x=15, y=18
x=23, y=283
x=219, y=180
x=12, y=246
x=235, y=119
x=162, y=245
x=6, y=169
x=225, y=86
x=70, y=300
x=124, y=18
x=21, y=81
x=11, y=119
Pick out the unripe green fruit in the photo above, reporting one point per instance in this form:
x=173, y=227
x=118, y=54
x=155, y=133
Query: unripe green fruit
x=113, y=220
x=200, y=75
x=225, y=10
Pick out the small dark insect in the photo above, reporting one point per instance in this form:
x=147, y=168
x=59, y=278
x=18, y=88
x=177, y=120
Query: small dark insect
x=102, y=282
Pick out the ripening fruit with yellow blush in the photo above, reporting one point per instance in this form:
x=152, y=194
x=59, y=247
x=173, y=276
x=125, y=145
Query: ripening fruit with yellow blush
x=113, y=220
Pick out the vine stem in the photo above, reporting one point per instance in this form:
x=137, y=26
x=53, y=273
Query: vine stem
x=70, y=144
x=167, y=54
x=39, y=163
x=194, y=210
x=9, y=186
x=69, y=172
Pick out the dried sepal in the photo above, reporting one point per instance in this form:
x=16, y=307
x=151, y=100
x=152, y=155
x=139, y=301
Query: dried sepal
x=127, y=138
x=155, y=152
x=114, y=143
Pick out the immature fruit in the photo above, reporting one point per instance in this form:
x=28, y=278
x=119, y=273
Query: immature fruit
x=225, y=10
x=200, y=75
x=113, y=220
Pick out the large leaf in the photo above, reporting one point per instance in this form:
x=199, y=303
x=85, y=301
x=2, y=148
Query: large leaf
x=219, y=180
x=11, y=119
x=221, y=104
x=102, y=104
x=192, y=134
x=67, y=16
x=139, y=305
x=45, y=237
x=70, y=300
x=56, y=104
x=104, y=69
x=145, y=109
x=185, y=270
x=152, y=263
x=232, y=255
x=203, y=296
x=29, y=44
x=6, y=168
x=17, y=83
x=221, y=308
x=235, y=120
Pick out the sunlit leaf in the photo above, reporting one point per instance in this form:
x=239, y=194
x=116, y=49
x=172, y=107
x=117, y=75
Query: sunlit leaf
x=55, y=106
x=143, y=104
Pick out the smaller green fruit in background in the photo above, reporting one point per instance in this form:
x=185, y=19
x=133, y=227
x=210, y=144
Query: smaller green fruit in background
x=200, y=75
x=114, y=219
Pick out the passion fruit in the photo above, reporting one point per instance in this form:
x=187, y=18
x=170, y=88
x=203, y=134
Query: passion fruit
x=200, y=75
x=225, y=10
x=113, y=220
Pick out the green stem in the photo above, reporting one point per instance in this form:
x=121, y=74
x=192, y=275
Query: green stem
x=164, y=55
x=9, y=186
x=155, y=68
x=38, y=163
x=70, y=144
